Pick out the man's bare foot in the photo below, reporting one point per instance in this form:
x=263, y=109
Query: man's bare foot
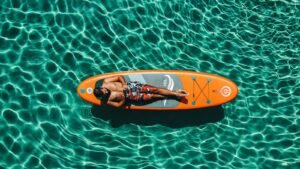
x=181, y=93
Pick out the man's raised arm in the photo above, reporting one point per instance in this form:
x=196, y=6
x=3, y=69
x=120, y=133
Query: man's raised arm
x=115, y=79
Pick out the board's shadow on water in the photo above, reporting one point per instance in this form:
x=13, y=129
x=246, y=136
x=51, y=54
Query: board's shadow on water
x=173, y=119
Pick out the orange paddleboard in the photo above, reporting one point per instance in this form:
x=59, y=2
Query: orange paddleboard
x=205, y=90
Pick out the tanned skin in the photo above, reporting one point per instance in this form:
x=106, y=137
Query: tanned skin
x=117, y=84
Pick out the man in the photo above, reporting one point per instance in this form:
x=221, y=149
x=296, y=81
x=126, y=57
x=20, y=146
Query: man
x=115, y=92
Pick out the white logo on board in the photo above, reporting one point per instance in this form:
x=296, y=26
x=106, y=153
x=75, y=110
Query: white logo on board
x=169, y=84
x=225, y=91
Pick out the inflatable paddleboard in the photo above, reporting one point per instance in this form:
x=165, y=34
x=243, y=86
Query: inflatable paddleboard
x=205, y=90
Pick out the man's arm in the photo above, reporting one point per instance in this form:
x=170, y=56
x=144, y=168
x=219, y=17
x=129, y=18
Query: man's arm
x=116, y=104
x=122, y=80
x=115, y=79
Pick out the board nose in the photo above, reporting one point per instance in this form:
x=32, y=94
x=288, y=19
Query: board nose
x=85, y=91
x=234, y=91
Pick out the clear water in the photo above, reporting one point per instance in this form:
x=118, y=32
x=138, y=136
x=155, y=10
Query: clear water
x=47, y=48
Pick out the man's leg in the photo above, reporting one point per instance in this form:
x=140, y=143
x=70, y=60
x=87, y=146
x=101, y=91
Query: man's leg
x=163, y=91
x=153, y=97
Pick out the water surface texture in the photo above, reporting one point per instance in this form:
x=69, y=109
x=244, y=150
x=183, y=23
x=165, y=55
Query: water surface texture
x=48, y=47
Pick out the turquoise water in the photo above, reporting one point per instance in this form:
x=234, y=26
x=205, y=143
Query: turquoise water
x=48, y=48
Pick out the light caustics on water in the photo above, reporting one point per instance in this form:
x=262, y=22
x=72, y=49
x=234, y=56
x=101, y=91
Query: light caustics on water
x=47, y=48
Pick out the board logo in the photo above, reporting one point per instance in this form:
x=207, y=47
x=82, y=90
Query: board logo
x=169, y=84
x=225, y=91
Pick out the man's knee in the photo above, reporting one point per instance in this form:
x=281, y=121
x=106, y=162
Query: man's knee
x=147, y=97
x=155, y=90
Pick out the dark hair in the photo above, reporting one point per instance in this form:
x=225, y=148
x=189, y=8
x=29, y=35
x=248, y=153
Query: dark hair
x=100, y=95
x=97, y=92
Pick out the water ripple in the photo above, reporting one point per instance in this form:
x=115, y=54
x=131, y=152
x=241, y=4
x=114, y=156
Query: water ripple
x=47, y=48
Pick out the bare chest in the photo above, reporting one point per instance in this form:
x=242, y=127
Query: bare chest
x=114, y=86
